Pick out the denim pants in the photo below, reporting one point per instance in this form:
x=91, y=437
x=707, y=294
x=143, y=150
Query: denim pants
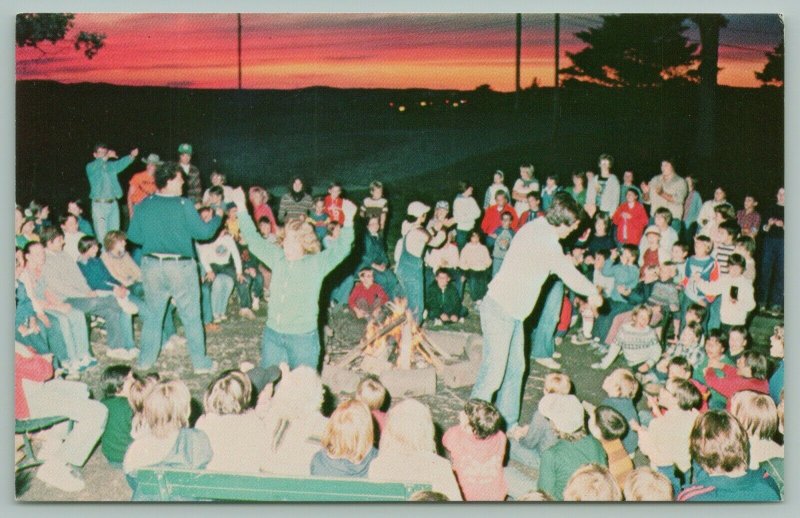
x=178, y=280
x=220, y=292
x=119, y=324
x=770, y=278
x=294, y=349
x=503, y=363
x=543, y=335
x=105, y=217
x=74, y=332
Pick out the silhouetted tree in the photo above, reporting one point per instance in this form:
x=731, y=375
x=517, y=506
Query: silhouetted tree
x=772, y=74
x=35, y=28
x=634, y=50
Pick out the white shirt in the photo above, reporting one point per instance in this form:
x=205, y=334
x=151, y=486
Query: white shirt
x=237, y=440
x=730, y=313
x=71, y=244
x=465, y=212
x=521, y=188
x=219, y=251
x=535, y=253
x=147, y=449
x=666, y=440
x=418, y=466
x=609, y=197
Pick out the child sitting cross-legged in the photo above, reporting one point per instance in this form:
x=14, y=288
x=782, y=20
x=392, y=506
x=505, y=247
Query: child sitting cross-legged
x=347, y=443
x=477, y=446
x=688, y=346
x=367, y=297
x=609, y=426
x=637, y=341
x=442, y=300
x=677, y=368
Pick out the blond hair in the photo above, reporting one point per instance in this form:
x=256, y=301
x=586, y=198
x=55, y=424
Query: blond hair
x=371, y=392
x=621, y=383
x=137, y=393
x=640, y=309
x=409, y=427
x=647, y=485
x=592, y=483
x=536, y=495
x=167, y=408
x=230, y=393
x=349, y=433
x=757, y=413
x=297, y=400
x=305, y=233
x=557, y=383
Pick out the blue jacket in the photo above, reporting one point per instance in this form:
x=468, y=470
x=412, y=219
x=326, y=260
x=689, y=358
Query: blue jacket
x=103, y=179
x=168, y=224
x=754, y=486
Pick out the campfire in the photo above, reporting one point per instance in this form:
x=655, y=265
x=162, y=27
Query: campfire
x=395, y=341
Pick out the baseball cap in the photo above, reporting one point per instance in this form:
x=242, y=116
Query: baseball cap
x=185, y=149
x=417, y=209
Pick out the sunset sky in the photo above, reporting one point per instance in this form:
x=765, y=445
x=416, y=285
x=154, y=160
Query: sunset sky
x=442, y=51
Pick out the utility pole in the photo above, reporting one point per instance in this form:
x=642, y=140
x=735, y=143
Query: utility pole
x=519, y=57
x=556, y=80
x=239, y=46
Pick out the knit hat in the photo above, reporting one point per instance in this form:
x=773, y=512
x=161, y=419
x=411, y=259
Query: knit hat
x=564, y=411
x=417, y=209
x=185, y=149
x=652, y=229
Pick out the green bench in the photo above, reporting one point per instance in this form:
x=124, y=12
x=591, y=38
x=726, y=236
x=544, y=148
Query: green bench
x=185, y=484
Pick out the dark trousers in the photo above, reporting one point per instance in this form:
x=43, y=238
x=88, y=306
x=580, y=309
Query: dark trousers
x=770, y=278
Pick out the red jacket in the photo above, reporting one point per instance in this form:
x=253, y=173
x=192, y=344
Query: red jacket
x=371, y=294
x=334, y=209
x=629, y=231
x=733, y=383
x=35, y=368
x=526, y=217
x=493, y=218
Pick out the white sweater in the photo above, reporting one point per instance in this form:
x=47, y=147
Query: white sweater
x=730, y=313
x=465, y=211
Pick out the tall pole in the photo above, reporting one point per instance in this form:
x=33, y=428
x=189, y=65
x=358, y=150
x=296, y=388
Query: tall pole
x=556, y=79
x=239, y=46
x=519, y=57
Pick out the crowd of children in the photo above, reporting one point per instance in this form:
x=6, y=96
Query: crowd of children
x=682, y=281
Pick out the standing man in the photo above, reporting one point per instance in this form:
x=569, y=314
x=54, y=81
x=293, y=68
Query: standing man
x=105, y=189
x=191, y=174
x=169, y=269
x=512, y=296
x=603, y=191
x=143, y=184
x=666, y=190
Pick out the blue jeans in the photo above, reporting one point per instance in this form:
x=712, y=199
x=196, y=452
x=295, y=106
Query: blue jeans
x=294, y=349
x=105, y=217
x=528, y=456
x=497, y=262
x=543, y=335
x=221, y=290
x=178, y=280
x=119, y=324
x=503, y=363
x=74, y=332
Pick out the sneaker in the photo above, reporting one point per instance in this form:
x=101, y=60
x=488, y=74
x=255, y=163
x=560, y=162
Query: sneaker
x=548, y=362
x=776, y=311
x=556, y=355
x=87, y=361
x=599, y=366
x=558, y=340
x=437, y=322
x=217, y=320
x=118, y=354
x=580, y=340
x=208, y=370
x=212, y=327
x=256, y=304
x=247, y=313
x=59, y=476
x=128, y=306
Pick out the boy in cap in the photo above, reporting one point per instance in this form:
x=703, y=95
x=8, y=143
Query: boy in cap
x=105, y=189
x=143, y=183
x=194, y=188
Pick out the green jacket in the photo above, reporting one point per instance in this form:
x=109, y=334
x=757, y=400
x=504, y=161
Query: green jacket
x=563, y=459
x=103, y=179
x=446, y=302
x=295, y=285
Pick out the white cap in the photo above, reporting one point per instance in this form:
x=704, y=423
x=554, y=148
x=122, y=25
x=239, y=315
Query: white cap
x=564, y=411
x=652, y=229
x=417, y=209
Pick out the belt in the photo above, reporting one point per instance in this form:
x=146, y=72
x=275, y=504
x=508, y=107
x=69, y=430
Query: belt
x=100, y=200
x=168, y=257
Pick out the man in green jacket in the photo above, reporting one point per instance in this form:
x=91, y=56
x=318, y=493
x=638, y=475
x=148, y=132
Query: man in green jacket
x=105, y=189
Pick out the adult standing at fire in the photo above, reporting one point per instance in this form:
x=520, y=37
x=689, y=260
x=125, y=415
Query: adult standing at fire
x=512, y=295
x=105, y=190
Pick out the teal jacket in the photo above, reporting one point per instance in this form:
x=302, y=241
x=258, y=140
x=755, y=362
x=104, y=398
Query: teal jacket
x=563, y=459
x=103, y=179
x=168, y=224
x=295, y=285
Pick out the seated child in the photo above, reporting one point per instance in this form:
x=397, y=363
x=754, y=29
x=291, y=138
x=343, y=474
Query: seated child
x=688, y=346
x=637, y=341
x=442, y=300
x=367, y=297
x=372, y=393
x=234, y=430
x=639, y=295
x=347, y=443
x=592, y=483
x=609, y=426
x=759, y=416
x=98, y=276
x=738, y=341
x=117, y=382
x=680, y=368
x=626, y=276
x=621, y=387
x=680, y=251
x=645, y=484
x=720, y=446
x=475, y=262
x=137, y=393
x=650, y=253
x=477, y=447
x=750, y=373
x=319, y=218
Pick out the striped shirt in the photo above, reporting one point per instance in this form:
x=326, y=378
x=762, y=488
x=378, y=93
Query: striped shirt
x=619, y=463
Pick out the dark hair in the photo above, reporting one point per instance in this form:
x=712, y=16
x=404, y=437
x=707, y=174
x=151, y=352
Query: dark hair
x=484, y=419
x=114, y=378
x=49, y=234
x=736, y=260
x=701, y=311
x=757, y=363
x=552, y=177
x=611, y=423
x=264, y=219
x=686, y=393
x=605, y=253
x=504, y=214
x=719, y=441
x=633, y=250
x=26, y=250
x=534, y=194
x=696, y=328
x=742, y=330
x=702, y=238
x=751, y=195
x=85, y=243
x=563, y=211
x=445, y=271
x=463, y=186
x=725, y=210
x=581, y=175
x=634, y=191
x=683, y=246
x=606, y=156
x=99, y=145
x=216, y=190
x=719, y=334
x=748, y=243
x=680, y=361
x=334, y=184
x=475, y=233
x=166, y=172
x=664, y=213
x=62, y=220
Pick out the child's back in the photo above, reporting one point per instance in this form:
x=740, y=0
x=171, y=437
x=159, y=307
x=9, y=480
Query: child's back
x=625, y=407
x=117, y=435
x=478, y=463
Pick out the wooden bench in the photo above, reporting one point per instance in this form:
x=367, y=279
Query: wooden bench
x=184, y=484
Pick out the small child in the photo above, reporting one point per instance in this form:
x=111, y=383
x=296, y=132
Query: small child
x=550, y=189
x=603, y=282
x=678, y=255
x=319, y=218
x=669, y=236
x=502, y=242
x=214, y=198
x=759, y=416
x=372, y=393
x=601, y=238
x=702, y=264
x=746, y=247
x=367, y=297
x=117, y=381
x=347, y=443
x=442, y=301
x=647, y=485
x=532, y=212
x=650, y=254
x=665, y=441
x=664, y=297
x=738, y=341
x=720, y=446
x=477, y=447
x=475, y=261
x=630, y=219
x=724, y=245
x=218, y=184
x=376, y=206
x=622, y=387
x=738, y=296
x=608, y=426
x=137, y=393
x=592, y=483
x=625, y=273
x=497, y=186
x=637, y=341
x=688, y=346
x=679, y=368
x=750, y=373
x=333, y=203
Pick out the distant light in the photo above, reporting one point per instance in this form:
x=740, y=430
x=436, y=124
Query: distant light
x=455, y=105
x=391, y=105
x=447, y=101
x=463, y=101
x=423, y=103
x=401, y=108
